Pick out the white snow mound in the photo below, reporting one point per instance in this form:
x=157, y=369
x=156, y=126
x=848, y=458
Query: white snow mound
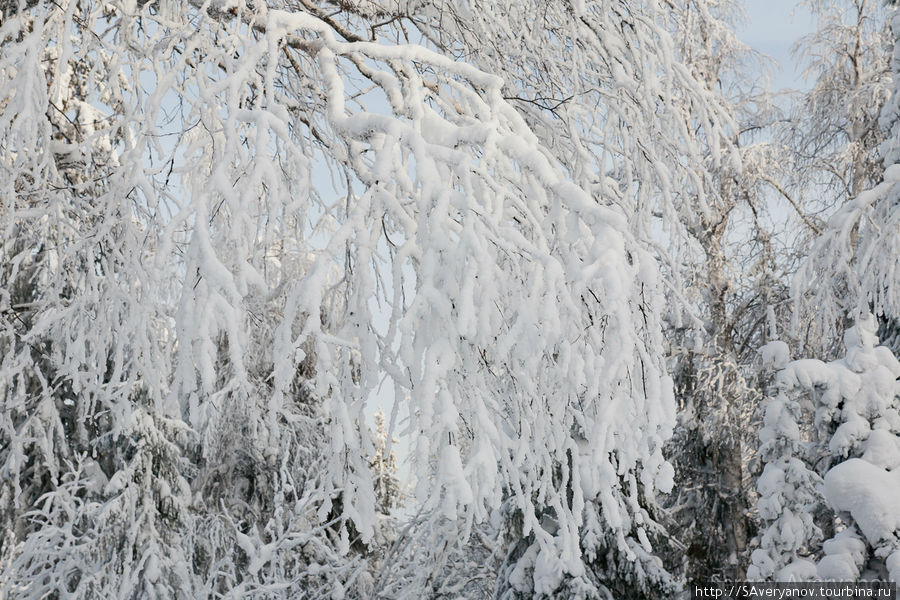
x=869, y=493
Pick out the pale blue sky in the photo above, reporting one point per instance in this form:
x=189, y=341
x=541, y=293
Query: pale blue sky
x=772, y=28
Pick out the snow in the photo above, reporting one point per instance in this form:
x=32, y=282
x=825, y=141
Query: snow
x=665, y=479
x=849, y=434
x=869, y=493
x=837, y=567
x=892, y=174
x=779, y=423
x=882, y=449
x=775, y=354
x=846, y=542
x=855, y=444
x=893, y=565
x=844, y=556
x=151, y=569
x=798, y=570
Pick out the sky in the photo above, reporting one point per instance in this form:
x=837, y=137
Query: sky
x=772, y=27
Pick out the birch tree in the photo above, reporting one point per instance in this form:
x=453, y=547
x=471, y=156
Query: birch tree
x=704, y=108
x=842, y=145
x=836, y=134
x=726, y=266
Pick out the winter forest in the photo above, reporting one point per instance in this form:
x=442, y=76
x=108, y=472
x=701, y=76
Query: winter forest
x=444, y=299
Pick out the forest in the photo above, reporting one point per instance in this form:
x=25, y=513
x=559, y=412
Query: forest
x=444, y=299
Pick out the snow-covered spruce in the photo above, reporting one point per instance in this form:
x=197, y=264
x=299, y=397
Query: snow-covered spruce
x=789, y=491
x=855, y=448
x=861, y=423
x=856, y=397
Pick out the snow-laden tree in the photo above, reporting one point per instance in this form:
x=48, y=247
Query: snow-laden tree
x=860, y=246
x=661, y=136
x=845, y=131
x=835, y=133
x=851, y=272
x=224, y=224
x=725, y=267
x=861, y=426
x=790, y=497
x=854, y=447
x=628, y=97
